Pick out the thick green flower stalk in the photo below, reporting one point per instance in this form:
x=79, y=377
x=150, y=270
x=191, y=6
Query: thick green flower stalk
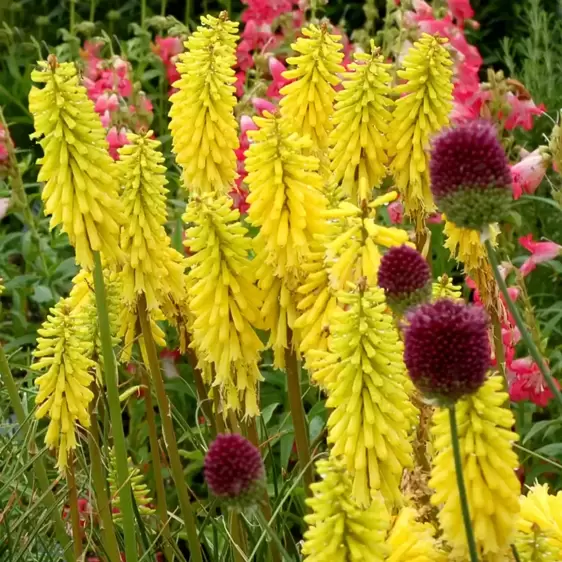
x=203, y=127
x=371, y=415
x=539, y=526
x=151, y=267
x=339, y=530
x=422, y=110
x=308, y=101
x=412, y=541
x=224, y=300
x=138, y=486
x=489, y=464
x=359, y=142
x=355, y=253
x=81, y=182
x=63, y=351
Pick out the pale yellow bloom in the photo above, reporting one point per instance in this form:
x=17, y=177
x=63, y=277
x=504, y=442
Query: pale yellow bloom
x=203, y=127
x=81, y=186
x=371, y=415
x=224, y=300
x=63, y=352
x=444, y=288
x=489, y=463
x=421, y=111
x=339, y=530
x=359, y=143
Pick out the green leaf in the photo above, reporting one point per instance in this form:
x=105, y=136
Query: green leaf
x=551, y=450
x=315, y=427
x=42, y=294
x=286, y=443
x=537, y=428
x=267, y=412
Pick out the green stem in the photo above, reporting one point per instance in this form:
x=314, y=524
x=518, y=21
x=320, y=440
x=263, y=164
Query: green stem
x=533, y=350
x=111, y=383
x=460, y=483
x=264, y=524
x=161, y=505
x=49, y=500
x=297, y=413
x=202, y=393
x=99, y=483
x=163, y=8
x=188, y=9
x=143, y=13
x=515, y=553
x=236, y=533
x=499, y=350
x=72, y=16
x=169, y=434
x=73, y=502
x=92, y=9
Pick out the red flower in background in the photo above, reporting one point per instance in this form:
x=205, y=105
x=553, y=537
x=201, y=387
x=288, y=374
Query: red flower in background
x=540, y=252
x=527, y=382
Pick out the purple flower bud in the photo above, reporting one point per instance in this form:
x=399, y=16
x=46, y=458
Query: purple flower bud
x=447, y=349
x=470, y=175
x=234, y=471
x=405, y=277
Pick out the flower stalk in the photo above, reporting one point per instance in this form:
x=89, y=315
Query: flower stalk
x=460, y=483
x=110, y=376
x=169, y=434
x=533, y=349
x=73, y=501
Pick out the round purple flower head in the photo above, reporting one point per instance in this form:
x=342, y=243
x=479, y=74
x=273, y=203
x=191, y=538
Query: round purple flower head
x=234, y=471
x=447, y=349
x=470, y=175
x=405, y=277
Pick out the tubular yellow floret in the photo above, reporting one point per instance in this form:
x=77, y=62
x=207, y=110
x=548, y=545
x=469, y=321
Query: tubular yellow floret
x=308, y=101
x=539, y=526
x=339, y=530
x=371, y=415
x=63, y=351
x=224, y=300
x=489, y=464
x=203, y=127
x=444, y=288
x=412, y=541
x=148, y=268
x=81, y=187
x=421, y=111
x=285, y=192
x=359, y=145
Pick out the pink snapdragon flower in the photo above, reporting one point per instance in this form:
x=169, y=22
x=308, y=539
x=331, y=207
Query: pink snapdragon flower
x=461, y=10
x=540, y=252
x=529, y=173
x=276, y=68
x=116, y=139
x=522, y=112
x=396, y=212
x=527, y=383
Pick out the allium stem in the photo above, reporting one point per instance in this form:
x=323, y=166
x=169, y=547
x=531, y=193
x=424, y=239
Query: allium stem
x=73, y=503
x=111, y=383
x=297, y=413
x=264, y=524
x=99, y=483
x=236, y=532
x=169, y=434
x=499, y=350
x=143, y=13
x=161, y=505
x=72, y=16
x=460, y=483
x=49, y=500
x=531, y=346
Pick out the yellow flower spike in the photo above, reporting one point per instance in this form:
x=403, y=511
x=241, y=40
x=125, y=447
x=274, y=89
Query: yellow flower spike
x=148, y=268
x=203, y=127
x=444, y=288
x=63, y=352
x=358, y=142
x=285, y=193
x=371, y=415
x=489, y=464
x=308, y=101
x=129, y=331
x=339, y=530
x=81, y=185
x=421, y=111
x=140, y=490
x=539, y=527
x=224, y=300
x=354, y=253
x=412, y=541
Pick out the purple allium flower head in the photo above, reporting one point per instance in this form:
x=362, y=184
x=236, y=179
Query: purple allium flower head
x=405, y=277
x=234, y=471
x=447, y=349
x=470, y=175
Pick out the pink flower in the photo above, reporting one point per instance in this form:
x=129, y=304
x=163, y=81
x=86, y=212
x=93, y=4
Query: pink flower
x=116, y=140
x=522, y=112
x=527, y=382
x=540, y=252
x=461, y=10
x=396, y=212
x=528, y=173
x=277, y=69
x=167, y=47
x=261, y=105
